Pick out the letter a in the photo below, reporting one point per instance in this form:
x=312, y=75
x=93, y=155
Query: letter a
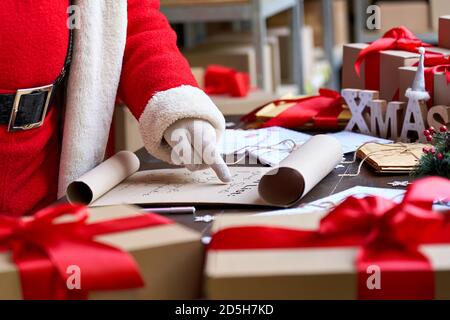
x=74, y=280
x=374, y=280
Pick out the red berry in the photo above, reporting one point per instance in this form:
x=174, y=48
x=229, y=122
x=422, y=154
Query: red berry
x=426, y=133
x=440, y=156
x=432, y=130
x=426, y=150
x=443, y=129
x=433, y=150
x=429, y=138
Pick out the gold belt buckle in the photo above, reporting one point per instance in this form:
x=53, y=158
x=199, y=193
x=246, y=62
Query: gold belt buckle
x=11, y=126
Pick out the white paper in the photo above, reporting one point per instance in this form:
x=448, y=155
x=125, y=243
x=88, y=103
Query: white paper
x=257, y=142
x=351, y=141
x=282, y=187
x=180, y=186
x=325, y=203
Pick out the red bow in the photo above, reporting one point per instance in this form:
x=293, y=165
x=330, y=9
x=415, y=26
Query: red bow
x=44, y=250
x=437, y=64
x=222, y=80
x=395, y=39
x=323, y=109
x=387, y=233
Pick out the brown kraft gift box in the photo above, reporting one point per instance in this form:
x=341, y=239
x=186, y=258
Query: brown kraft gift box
x=170, y=259
x=441, y=88
x=350, y=79
x=390, y=62
x=438, y=8
x=413, y=14
x=444, y=32
x=306, y=273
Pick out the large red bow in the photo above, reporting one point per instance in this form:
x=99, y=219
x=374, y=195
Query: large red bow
x=46, y=250
x=395, y=39
x=223, y=80
x=388, y=234
x=324, y=109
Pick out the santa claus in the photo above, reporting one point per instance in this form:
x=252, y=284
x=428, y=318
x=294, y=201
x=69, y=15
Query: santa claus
x=121, y=47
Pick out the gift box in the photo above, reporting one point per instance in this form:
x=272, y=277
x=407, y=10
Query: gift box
x=438, y=8
x=375, y=66
x=414, y=14
x=444, y=32
x=241, y=106
x=390, y=62
x=168, y=257
x=392, y=251
x=239, y=56
x=441, y=94
x=350, y=79
x=325, y=111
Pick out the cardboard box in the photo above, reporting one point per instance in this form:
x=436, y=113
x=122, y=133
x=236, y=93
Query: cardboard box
x=240, y=56
x=390, y=62
x=314, y=19
x=170, y=258
x=273, y=42
x=304, y=273
x=350, y=79
x=444, y=32
x=285, y=45
x=441, y=88
x=438, y=8
x=415, y=15
x=127, y=135
x=241, y=106
x=199, y=75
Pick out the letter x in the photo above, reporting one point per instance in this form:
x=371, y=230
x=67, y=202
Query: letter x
x=357, y=109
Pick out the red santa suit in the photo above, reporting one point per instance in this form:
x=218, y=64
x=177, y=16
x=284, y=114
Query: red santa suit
x=124, y=47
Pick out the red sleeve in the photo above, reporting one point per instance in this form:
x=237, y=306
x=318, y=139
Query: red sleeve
x=152, y=62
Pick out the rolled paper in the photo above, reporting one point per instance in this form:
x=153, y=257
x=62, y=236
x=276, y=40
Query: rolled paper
x=301, y=171
x=103, y=178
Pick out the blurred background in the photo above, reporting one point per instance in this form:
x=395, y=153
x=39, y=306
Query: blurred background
x=286, y=47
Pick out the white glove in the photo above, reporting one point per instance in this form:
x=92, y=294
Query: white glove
x=193, y=143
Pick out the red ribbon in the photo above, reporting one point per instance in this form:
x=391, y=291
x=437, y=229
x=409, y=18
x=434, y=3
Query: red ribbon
x=395, y=39
x=435, y=65
x=324, y=109
x=43, y=250
x=388, y=235
x=222, y=80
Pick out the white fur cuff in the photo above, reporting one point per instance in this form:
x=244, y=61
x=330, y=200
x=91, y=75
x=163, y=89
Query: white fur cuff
x=167, y=107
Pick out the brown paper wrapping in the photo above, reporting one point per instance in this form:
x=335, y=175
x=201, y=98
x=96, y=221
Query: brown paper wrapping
x=391, y=158
x=390, y=62
x=444, y=32
x=103, y=178
x=170, y=259
x=438, y=8
x=441, y=88
x=301, y=171
x=350, y=79
x=320, y=273
x=413, y=14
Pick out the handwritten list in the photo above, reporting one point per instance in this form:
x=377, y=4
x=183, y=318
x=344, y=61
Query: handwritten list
x=180, y=186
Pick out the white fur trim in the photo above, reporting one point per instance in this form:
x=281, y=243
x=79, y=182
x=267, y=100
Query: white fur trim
x=99, y=47
x=417, y=95
x=167, y=107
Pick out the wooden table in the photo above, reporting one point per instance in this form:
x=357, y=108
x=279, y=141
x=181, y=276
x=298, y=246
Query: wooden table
x=330, y=185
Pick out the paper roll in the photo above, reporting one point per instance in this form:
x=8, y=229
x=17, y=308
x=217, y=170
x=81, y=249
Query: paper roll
x=103, y=178
x=301, y=171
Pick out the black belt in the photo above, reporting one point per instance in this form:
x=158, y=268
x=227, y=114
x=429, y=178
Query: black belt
x=26, y=109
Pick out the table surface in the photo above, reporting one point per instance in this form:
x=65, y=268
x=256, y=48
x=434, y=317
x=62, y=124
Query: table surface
x=332, y=184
